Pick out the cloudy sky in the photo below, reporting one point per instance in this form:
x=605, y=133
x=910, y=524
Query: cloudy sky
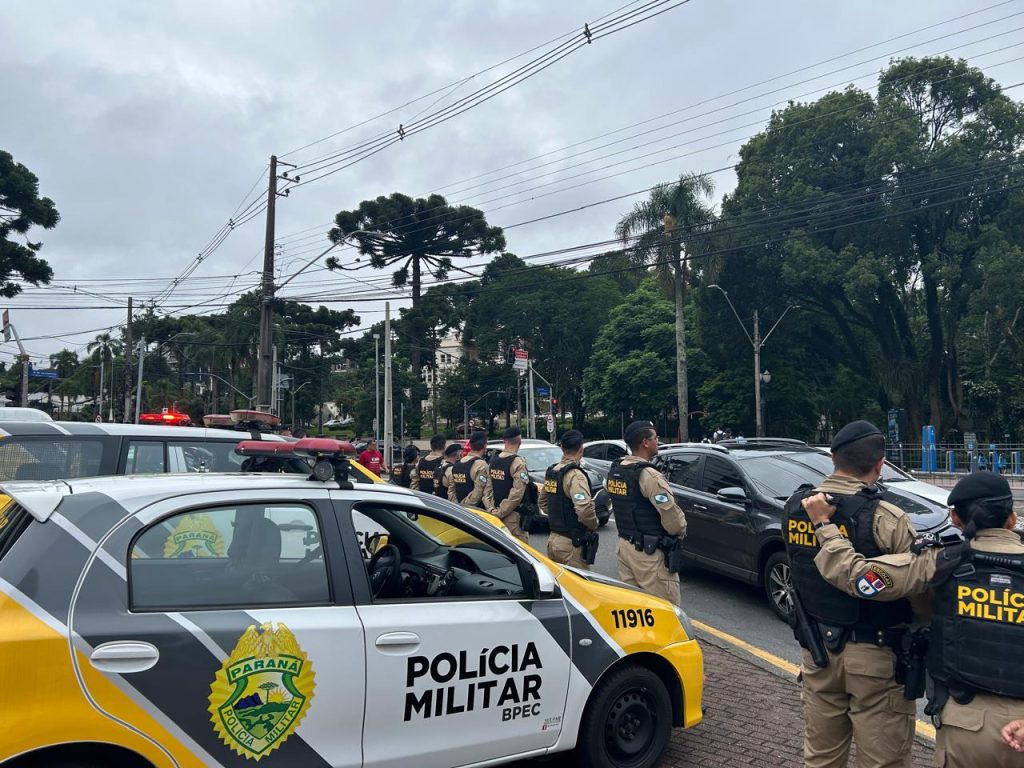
x=151, y=124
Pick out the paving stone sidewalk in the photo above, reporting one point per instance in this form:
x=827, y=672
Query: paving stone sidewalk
x=752, y=718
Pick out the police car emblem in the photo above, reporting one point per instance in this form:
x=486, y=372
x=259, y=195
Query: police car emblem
x=579, y=497
x=262, y=691
x=194, y=536
x=661, y=498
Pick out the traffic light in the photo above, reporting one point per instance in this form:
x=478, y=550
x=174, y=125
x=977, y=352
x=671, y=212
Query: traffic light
x=554, y=401
x=510, y=354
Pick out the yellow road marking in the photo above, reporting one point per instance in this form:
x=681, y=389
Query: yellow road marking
x=924, y=729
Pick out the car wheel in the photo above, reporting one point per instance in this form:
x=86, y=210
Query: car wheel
x=778, y=584
x=627, y=722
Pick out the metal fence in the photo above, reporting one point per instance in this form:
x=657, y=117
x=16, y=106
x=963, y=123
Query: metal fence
x=1005, y=458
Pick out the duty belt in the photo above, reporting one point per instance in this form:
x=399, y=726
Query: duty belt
x=891, y=637
x=639, y=538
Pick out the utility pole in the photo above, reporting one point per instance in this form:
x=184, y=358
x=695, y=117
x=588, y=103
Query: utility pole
x=265, y=363
x=758, y=417
x=376, y=386
x=275, y=389
x=531, y=429
x=99, y=403
x=110, y=400
x=389, y=423
x=128, y=366
x=138, y=392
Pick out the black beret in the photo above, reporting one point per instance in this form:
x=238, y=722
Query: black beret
x=980, y=485
x=452, y=449
x=635, y=429
x=852, y=432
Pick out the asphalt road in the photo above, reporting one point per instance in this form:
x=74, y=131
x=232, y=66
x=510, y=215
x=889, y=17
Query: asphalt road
x=730, y=606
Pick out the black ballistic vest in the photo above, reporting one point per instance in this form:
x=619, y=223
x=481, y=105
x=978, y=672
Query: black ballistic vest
x=561, y=510
x=855, y=517
x=462, y=478
x=428, y=470
x=501, y=477
x=439, y=489
x=634, y=513
x=978, y=627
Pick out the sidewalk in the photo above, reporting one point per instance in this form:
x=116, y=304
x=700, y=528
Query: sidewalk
x=752, y=717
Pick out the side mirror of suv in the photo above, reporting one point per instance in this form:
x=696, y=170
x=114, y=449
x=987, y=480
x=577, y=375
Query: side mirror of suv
x=734, y=495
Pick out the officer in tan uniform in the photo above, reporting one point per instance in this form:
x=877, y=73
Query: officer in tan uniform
x=509, y=480
x=651, y=525
x=425, y=475
x=856, y=695
x=451, y=455
x=469, y=474
x=977, y=629
x=565, y=498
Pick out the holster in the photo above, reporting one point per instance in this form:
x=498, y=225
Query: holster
x=648, y=543
x=911, y=663
x=673, y=546
x=589, y=547
x=834, y=637
x=526, y=517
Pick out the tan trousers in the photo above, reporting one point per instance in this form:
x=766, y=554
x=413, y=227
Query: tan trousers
x=971, y=734
x=561, y=550
x=511, y=522
x=648, y=572
x=855, y=697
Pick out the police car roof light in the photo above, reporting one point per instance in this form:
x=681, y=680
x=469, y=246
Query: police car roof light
x=264, y=448
x=331, y=458
x=323, y=446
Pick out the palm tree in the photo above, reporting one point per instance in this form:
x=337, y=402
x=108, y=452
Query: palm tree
x=64, y=362
x=662, y=230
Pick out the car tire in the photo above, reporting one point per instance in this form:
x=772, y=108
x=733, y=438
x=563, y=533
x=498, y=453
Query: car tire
x=627, y=722
x=778, y=584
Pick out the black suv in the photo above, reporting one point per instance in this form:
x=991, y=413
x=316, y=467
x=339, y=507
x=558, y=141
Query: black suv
x=733, y=494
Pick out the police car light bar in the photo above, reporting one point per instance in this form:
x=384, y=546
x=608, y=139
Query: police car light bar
x=331, y=458
x=323, y=446
x=264, y=448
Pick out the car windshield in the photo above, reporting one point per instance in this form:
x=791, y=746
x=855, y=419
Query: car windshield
x=823, y=463
x=778, y=476
x=540, y=457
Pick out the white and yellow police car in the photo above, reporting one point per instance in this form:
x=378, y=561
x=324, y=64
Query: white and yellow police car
x=226, y=619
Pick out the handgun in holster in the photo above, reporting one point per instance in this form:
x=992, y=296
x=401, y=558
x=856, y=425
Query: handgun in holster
x=526, y=513
x=673, y=546
x=807, y=632
x=911, y=663
x=588, y=542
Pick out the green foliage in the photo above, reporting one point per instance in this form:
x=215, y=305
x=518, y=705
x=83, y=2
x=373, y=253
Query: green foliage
x=21, y=207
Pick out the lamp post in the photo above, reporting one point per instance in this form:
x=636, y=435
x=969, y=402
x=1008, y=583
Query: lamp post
x=293, y=391
x=766, y=379
x=467, y=405
x=376, y=386
x=757, y=343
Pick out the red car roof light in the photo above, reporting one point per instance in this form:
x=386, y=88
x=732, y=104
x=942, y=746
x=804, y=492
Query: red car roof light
x=264, y=448
x=331, y=459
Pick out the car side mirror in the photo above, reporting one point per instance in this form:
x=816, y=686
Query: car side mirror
x=544, y=581
x=733, y=494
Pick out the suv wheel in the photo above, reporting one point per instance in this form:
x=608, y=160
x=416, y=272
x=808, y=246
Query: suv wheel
x=778, y=584
x=627, y=722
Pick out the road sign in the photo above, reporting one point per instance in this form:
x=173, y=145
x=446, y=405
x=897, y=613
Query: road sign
x=551, y=424
x=41, y=374
x=522, y=360
x=544, y=391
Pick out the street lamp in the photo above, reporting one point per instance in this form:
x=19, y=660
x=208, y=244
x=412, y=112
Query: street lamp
x=757, y=343
x=293, y=391
x=376, y=380
x=766, y=379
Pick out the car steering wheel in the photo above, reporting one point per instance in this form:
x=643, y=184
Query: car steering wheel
x=385, y=570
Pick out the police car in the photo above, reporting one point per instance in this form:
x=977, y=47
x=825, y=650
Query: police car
x=224, y=619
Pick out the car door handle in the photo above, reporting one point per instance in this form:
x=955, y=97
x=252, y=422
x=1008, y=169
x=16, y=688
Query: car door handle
x=701, y=507
x=398, y=643
x=122, y=656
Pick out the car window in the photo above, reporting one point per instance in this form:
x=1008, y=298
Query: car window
x=616, y=452
x=145, y=457
x=439, y=558
x=683, y=469
x=238, y=556
x=779, y=477
x=540, y=457
x=599, y=452
x=49, y=458
x=719, y=474
x=203, y=456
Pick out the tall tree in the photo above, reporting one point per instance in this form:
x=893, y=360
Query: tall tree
x=415, y=236
x=664, y=230
x=21, y=207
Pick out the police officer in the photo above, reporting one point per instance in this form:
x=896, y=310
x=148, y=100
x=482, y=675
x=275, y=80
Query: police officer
x=855, y=696
x=651, y=525
x=425, y=476
x=565, y=498
x=508, y=485
x=469, y=474
x=445, y=483
x=977, y=628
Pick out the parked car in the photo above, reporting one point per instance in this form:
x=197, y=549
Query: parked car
x=600, y=454
x=539, y=455
x=733, y=494
x=342, y=421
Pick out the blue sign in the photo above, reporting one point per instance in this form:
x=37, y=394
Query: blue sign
x=43, y=374
x=544, y=391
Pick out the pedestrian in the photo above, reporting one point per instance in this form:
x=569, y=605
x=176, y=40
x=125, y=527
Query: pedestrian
x=565, y=498
x=509, y=481
x=452, y=454
x=469, y=474
x=425, y=476
x=855, y=696
x=372, y=459
x=977, y=588
x=409, y=458
x=651, y=525
x=299, y=433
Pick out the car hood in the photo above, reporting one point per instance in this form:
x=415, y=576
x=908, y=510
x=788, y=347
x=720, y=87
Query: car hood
x=600, y=578
x=933, y=493
x=924, y=513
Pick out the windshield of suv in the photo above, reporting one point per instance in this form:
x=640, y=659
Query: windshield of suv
x=777, y=476
x=538, y=458
x=823, y=463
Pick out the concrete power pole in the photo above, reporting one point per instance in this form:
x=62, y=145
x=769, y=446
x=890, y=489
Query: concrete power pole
x=138, y=391
x=265, y=362
x=389, y=422
x=127, y=367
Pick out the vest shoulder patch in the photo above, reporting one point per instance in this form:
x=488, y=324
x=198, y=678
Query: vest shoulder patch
x=524, y=476
x=579, y=496
x=874, y=581
x=660, y=498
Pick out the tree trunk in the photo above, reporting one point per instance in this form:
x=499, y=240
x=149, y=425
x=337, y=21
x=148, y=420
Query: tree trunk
x=681, y=383
x=936, y=353
x=416, y=341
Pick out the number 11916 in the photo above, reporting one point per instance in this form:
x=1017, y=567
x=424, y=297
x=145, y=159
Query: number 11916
x=633, y=618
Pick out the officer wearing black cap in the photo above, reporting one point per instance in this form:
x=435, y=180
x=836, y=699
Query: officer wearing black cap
x=469, y=474
x=427, y=474
x=451, y=455
x=651, y=525
x=566, y=499
x=855, y=696
x=509, y=481
x=977, y=628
